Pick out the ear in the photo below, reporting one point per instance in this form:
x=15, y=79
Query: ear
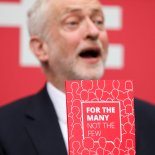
x=39, y=48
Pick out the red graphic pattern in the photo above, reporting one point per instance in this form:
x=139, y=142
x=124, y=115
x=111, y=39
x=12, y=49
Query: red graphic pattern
x=87, y=94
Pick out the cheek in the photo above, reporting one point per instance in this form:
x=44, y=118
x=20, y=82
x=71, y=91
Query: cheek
x=64, y=47
x=70, y=39
x=104, y=39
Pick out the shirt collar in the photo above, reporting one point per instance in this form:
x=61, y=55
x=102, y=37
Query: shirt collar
x=59, y=101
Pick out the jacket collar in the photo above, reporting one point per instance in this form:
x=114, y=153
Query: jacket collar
x=42, y=125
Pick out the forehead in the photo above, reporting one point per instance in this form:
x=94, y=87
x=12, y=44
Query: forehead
x=60, y=7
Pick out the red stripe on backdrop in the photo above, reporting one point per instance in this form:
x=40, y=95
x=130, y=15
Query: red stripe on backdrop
x=10, y=1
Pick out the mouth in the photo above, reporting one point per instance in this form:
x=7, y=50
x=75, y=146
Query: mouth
x=91, y=55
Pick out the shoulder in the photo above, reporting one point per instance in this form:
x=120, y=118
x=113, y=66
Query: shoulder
x=144, y=114
x=12, y=117
x=144, y=110
x=145, y=127
x=17, y=108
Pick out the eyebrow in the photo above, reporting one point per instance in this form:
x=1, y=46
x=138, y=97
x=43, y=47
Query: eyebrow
x=72, y=10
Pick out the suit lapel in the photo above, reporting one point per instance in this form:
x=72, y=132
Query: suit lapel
x=42, y=126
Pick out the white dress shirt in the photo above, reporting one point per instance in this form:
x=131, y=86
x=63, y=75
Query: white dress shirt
x=59, y=101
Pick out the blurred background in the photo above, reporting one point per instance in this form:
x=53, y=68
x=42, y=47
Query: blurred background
x=131, y=28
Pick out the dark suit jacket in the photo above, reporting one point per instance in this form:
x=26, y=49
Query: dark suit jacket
x=30, y=127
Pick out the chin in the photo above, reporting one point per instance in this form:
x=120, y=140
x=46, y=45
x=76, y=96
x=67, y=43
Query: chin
x=89, y=74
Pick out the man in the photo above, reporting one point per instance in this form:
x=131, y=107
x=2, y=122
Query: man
x=69, y=39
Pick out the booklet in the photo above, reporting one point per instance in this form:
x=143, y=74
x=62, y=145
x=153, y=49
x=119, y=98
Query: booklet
x=100, y=117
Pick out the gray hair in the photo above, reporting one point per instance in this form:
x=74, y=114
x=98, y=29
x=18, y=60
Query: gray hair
x=37, y=18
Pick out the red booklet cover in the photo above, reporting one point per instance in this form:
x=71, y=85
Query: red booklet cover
x=100, y=117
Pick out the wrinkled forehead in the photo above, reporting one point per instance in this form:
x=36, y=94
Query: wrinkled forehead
x=59, y=7
x=74, y=2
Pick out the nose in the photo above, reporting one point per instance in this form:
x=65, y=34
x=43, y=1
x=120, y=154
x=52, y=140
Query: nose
x=92, y=32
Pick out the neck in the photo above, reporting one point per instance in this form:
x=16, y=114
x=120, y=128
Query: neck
x=59, y=84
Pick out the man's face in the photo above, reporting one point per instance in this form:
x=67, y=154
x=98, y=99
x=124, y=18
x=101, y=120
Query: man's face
x=77, y=41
